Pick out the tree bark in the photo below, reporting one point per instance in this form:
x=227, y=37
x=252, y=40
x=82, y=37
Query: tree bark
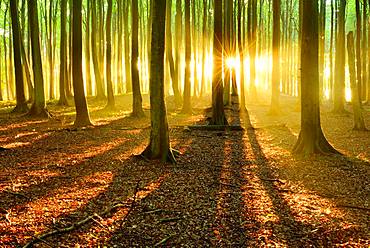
x=108, y=69
x=275, y=103
x=218, y=111
x=311, y=138
x=339, y=82
x=21, y=105
x=186, y=107
x=159, y=144
x=82, y=114
x=359, y=123
x=63, y=54
x=38, y=106
x=137, y=109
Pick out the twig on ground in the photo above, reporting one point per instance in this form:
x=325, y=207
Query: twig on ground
x=169, y=220
x=73, y=227
x=132, y=203
x=164, y=240
x=16, y=194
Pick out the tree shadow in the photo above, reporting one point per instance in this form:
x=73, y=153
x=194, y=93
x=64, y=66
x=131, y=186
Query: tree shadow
x=290, y=229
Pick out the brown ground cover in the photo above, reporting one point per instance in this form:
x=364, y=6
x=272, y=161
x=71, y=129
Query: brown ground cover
x=228, y=189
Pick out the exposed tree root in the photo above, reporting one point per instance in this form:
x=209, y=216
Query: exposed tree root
x=310, y=146
x=74, y=226
x=170, y=157
x=22, y=108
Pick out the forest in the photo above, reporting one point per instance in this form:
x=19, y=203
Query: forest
x=184, y=123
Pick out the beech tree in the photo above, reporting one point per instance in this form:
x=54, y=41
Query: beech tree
x=311, y=138
x=159, y=143
x=275, y=87
x=63, y=54
x=108, y=64
x=218, y=112
x=186, y=107
x=82, y=114
x=137, y=108
x=38, y=107
x=21, y=105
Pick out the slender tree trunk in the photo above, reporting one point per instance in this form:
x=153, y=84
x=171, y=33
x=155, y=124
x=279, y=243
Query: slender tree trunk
x=218, y=112
x=178, y=42
x=174, y=77
x=241, y=52
x=119, y=48
x=21, y=105
x=204, y=48
x=88, y=51
x=127, y=47
x=227, y=41
x=365, y=73
x=186, y=107
x=252, y=48
x=137, y=109
x=358, y=50
x=63, y=54
x=50, y=52
x=275, y=105
x=359, y=123
x=108, y=69
x=98, y=74
x=339, y=83
x=38, y=106
x=331, y=80
x=322, y=20
x=82, y=114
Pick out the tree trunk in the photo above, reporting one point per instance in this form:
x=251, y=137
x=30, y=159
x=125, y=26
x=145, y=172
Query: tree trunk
x=82, y=114
x=218, y=112
x=339, y=82
x=174, y=77
x=275, y=105
x=38, y=106
x=358, y=50
x=186, y=107
x=63, y=54
x=50, y=52
x=204, y=48
x=178, y=42
x=96, y=53
x=137, y=109
x=365, y=73
x=241, y=52
x=359, y=123
x=21, y=105
x=311, y=138
x=127, y=47
x=159, y=144
x=88, y=51
x=108, y=69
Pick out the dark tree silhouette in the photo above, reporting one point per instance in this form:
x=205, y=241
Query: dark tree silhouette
x=159, y=144
x=82, y=114
x=38, y=106
x=311, y=138
x=21, y=106
x=218, y=112
x=137, y=108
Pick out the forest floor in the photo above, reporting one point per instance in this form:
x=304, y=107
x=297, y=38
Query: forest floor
x=228, y=189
